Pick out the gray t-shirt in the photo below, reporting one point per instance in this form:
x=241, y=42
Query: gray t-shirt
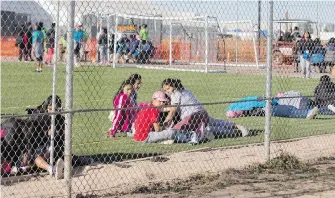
x=185, y=97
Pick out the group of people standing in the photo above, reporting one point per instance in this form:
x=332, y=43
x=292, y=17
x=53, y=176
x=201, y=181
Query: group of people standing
x=311, y=53
x=36, y=43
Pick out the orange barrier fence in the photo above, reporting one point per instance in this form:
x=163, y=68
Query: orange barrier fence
x=181, y=50
x=8, y=47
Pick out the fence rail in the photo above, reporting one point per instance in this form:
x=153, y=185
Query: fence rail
x=99, y=98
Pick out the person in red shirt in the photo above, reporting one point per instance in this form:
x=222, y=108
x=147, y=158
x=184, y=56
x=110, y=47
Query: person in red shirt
x=147, y=120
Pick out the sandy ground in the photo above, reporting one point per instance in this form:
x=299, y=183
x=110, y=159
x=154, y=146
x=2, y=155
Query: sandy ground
x=100, y=179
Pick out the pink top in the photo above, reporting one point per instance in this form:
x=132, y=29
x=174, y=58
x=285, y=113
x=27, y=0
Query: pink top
x=122, y=118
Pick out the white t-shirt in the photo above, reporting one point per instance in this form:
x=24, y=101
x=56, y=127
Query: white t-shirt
x=185, y=97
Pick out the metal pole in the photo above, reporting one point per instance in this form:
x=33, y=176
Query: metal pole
x=97, y=38
x=268, y=83
x=259, y=28
x=108, y=37
x=115, y=39
x=254, y=43
x=236, y=33
x=69, y=99
x=170, y=50
x=206, y=44
x=54, y=88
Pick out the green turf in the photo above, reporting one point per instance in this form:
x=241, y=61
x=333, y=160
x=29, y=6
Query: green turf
x=94, y=88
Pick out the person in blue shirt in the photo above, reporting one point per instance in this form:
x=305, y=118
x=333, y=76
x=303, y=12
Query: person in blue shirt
x=78, y=35
x=38, y=46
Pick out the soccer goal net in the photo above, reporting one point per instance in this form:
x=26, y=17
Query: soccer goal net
x=201, y=43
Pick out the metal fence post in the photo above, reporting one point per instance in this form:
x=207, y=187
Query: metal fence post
x=268, y=83
x=170, y=44
x=54, y=88
x=69, y=99
x=206, y=44
x=115, y=40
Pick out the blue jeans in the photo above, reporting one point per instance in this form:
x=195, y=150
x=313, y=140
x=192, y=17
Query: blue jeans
x=293, y=112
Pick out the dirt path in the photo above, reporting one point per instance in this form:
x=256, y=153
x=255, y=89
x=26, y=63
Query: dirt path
x=123, y=177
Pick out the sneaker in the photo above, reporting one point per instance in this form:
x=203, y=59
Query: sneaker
x=245, y=132
x=14, y=170
x=331, y=107
x=312, y=113
x=59, y=167
x=129, y=134
x=167, y=142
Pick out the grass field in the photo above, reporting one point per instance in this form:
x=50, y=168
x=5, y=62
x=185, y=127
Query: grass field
x=94, y=88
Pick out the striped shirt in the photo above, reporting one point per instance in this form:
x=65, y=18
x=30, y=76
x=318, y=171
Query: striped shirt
x=122, y=118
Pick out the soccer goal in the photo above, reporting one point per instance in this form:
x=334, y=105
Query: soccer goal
x=240, y=44
x=182, y=44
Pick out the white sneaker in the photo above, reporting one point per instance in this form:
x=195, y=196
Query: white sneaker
x=331, y=107
x=59, y=167
x=245, y=132
x=209, y=135
x=167, y=142
x=312, y=113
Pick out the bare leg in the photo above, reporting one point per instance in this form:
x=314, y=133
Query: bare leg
x=41, y=163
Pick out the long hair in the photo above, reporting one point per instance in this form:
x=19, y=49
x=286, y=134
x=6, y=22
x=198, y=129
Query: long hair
x=123, y=84
x=173, y=82
x=132, y=78
x=325, y=79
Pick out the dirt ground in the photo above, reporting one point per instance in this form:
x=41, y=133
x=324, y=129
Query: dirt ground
x=313, y=179
x=192, y=169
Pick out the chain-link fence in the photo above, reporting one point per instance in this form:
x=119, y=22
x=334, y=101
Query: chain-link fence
x=101, y=97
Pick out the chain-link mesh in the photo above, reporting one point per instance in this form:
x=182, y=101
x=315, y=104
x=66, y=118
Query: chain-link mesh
x=156, y=91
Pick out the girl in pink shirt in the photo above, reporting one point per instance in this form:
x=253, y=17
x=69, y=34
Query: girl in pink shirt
x=122, y=118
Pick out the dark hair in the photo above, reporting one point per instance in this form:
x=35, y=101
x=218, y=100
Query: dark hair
x=39, y=26
x=48, y=101
x=309, y=34
x=325, y=79
x=296, y=28
x=331, y=40
x=144, y=25
x=123, y=84
x=173, y=82
x=105, y=30
x=53, y=25
x=132, y=78
x=317, y=41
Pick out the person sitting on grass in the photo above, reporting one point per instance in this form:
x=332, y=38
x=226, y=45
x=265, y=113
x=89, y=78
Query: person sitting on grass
x=147, y=127
x=122, y=118
x=38, y=140
x=194, y=117
x=134, y=51
x=324, y=93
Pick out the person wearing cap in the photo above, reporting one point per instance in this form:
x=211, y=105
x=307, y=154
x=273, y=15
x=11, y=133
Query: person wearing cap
x=147, y=127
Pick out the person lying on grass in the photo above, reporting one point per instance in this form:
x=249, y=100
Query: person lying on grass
x=147, y=128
